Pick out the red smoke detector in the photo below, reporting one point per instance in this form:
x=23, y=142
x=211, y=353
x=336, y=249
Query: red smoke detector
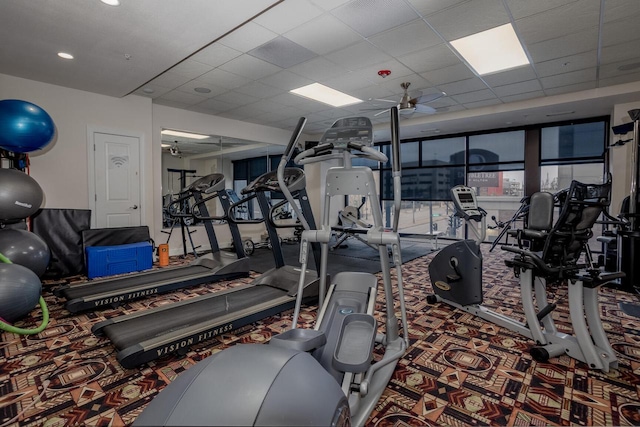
x=384, y=73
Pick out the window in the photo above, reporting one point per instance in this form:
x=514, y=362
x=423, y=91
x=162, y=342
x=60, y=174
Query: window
x=579, y=143
x=446, y=151
x=496, y=151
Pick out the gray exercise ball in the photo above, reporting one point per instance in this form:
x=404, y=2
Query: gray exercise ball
x=20, y=195
x=25, y=248
x=19, y=291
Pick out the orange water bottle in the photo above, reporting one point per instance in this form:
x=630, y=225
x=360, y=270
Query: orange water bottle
x=163, y=254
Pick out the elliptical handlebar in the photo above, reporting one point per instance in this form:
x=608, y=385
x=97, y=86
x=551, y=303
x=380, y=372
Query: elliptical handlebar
x=288, y=153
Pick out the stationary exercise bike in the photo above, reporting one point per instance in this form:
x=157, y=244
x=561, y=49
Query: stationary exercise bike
x=323, y=376
x=553, y=255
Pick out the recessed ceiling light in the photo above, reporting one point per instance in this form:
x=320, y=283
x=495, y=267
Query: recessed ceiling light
x=184, y=134
x=65, y=55
x=493, y=50
x=111, y=2
x=202, y=90
x=325, y=94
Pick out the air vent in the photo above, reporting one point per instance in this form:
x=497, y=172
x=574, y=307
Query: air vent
x=282, y=52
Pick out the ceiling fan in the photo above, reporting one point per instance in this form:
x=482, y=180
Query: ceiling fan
x=410, y=105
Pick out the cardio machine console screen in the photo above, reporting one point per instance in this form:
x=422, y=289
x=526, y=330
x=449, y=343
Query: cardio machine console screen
x=351, y=129
x=465, y=201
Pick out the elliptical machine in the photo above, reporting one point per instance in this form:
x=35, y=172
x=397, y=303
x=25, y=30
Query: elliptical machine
x=322, y=376
x=552, y=256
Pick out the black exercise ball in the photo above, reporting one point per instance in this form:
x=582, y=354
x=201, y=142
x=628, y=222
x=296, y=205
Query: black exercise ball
x=25, y=248
x=19, y=291
x=20, y=195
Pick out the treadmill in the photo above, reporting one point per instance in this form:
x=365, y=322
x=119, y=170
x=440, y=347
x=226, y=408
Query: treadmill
x=213, y=267
x=146, y=335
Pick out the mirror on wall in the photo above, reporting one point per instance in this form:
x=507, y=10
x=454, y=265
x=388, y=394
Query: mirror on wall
x=188, y=156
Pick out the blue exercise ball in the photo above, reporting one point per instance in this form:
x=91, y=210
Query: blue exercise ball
x=25, y=248
x=24, y=127
x=20, y=290
x=20, y=195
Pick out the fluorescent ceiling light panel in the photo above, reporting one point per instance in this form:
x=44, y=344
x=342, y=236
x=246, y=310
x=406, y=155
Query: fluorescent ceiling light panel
x=325, y=94
x=184, y=134
x=493, y=50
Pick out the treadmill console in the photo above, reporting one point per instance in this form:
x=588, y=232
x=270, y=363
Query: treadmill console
x=293, y=177
x=466, y=204
x=209, y=184
x=351, y=129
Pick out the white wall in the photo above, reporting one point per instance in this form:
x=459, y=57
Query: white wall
x=61, y=169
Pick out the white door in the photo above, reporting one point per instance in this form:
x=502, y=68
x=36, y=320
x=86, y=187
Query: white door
x=117, y=180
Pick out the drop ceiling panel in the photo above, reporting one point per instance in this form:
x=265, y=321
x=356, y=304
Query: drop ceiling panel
x=250, y=67
x=480, y=104
x=521, y=9
x=282, y=52
x=572, y=44
x=286, y=80
x=224, y=79
x=369, y=17
x=432, y=58
x=318, y=69
x=581, y=76
x=348, y=82
x=170, y=80
x=247, y=37
x=621, y=9
x=298, y=12
x=450, y=74
x=215, y=106
x=237, y=98
x=259, y=90
x=561, y=21
x=619, y=53
x=358, y=55
x=620, y=31
x=398, y=70
x=522, y=96
x=215, y=55
x=480, y=95
x=567, y=64
x=429, y=7
x=408, y=38
x=570, y=88
x=324, y=34
x=183, y=97
x=515, y=75
x=469, y=18
x=190, y=87
x=463, y=86
x=516, y=88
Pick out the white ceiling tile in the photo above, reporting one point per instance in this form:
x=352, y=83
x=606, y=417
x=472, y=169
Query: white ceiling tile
x=567, y=64
x=619, y=69
x=571, y=18
x=619, y=79
x=398, y=70
x=479, y=95
x=318, y=69
x=621, y=52
x=620, y=31
x=417, y=85
x=372, y=92
x=217, y=105
x=224, y=79
x=570, y=88
x=566, y=79
x=286, y=80
x=429, y=7
x=521, y=9
x=516, y=88
x=450, y=74
x=520, y=74
x=182, y=97
x=621, y=9
x=469, y=18
x=348, y=82
x=408, y=38
x=190, y=87
x=324, y=34
x=157, y=90
x=236, y=98
x=259, y=90
x=463, y=86
x=250, y=67
x=288, y=15
x=170, y=80
x=247, y=37
x=329, y=4
x=369, y=17
x=215, y=55
x=480, y=104
x=170, y=103
x=572, y=44
x=190, y=68
x=522, y=96
x=358, y=55
x=432, y=58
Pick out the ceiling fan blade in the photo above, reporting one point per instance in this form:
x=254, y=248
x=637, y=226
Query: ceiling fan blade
x=430, y=97
x=420, y=108
x=383, y=100
x=381, y=112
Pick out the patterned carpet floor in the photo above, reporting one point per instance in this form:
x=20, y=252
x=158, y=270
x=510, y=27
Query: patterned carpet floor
x=458, y=371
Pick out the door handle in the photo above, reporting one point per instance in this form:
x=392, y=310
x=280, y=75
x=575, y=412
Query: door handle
x=134, y=207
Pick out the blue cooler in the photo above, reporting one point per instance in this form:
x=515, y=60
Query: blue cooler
x=110, y=260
